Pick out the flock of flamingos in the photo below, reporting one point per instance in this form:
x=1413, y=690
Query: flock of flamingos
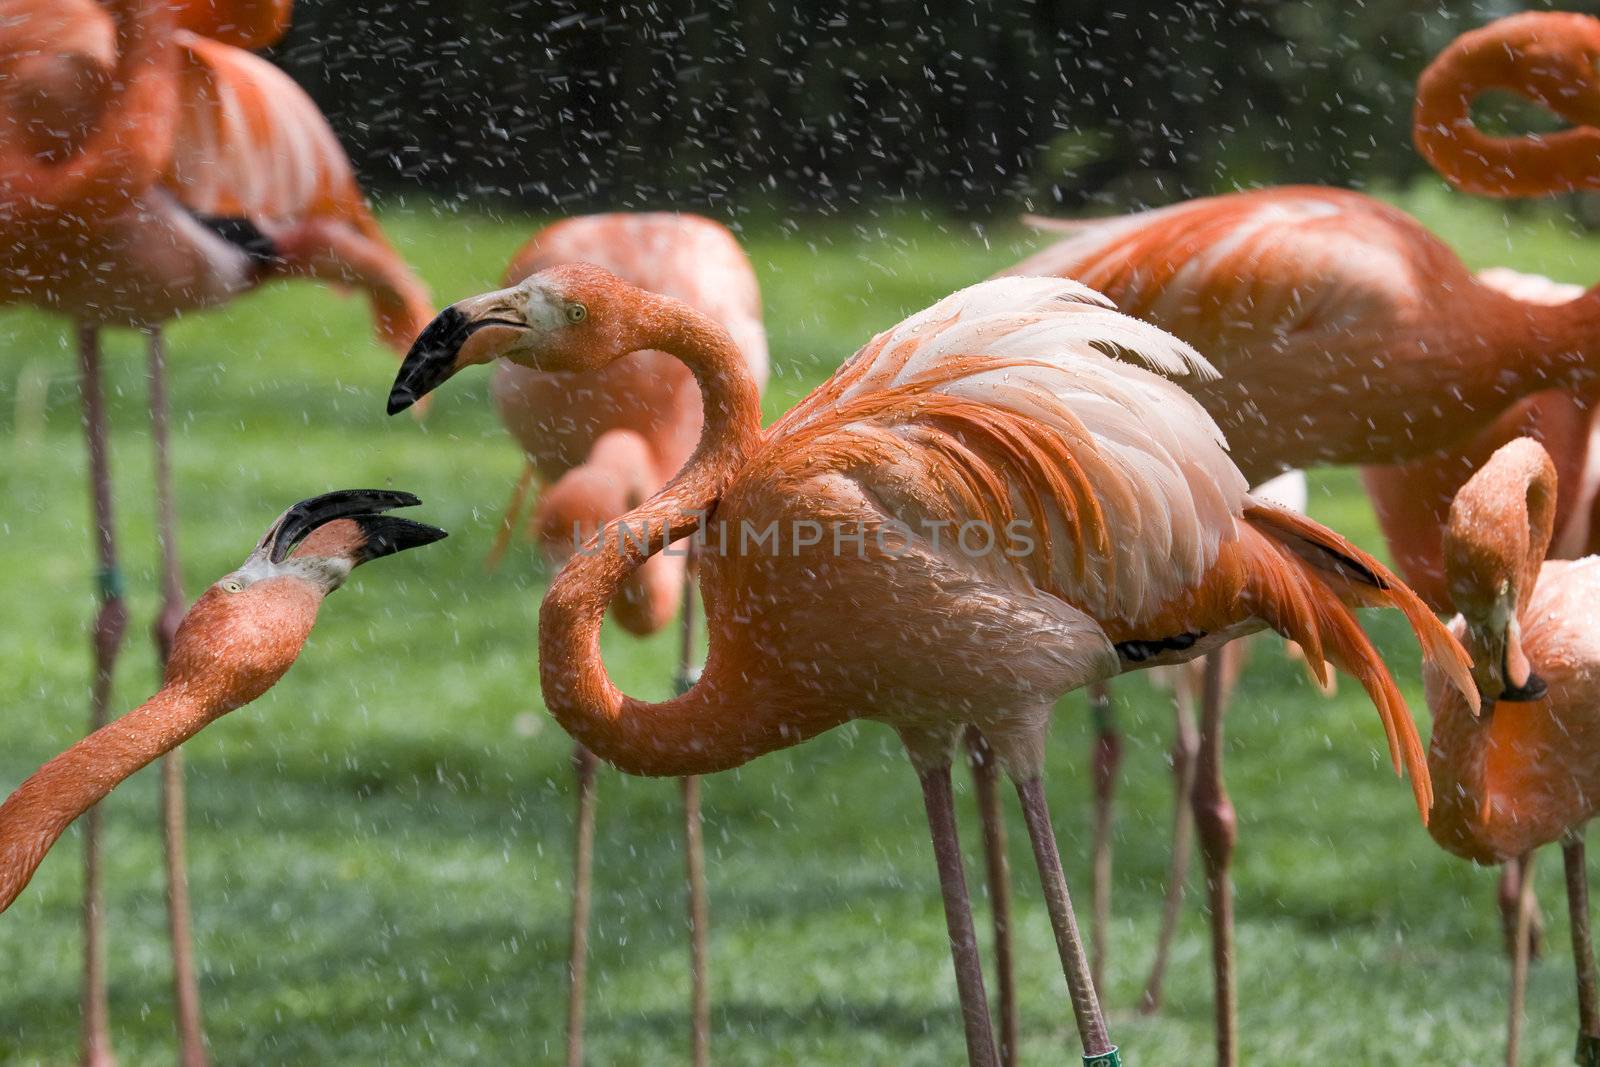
x=1115, y=395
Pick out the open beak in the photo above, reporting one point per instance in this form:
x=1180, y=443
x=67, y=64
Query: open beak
x=379, y=534
x=462, y=334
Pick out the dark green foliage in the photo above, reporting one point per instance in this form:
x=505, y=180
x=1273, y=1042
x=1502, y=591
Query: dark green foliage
x=978, y=106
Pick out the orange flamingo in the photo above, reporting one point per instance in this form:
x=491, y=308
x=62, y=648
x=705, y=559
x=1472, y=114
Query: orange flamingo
x=997, y=409
x=602, y=443
x=1334, y=318
x=1412, y=501
x=1522, y=775
x=233, y=645
x=146, y=171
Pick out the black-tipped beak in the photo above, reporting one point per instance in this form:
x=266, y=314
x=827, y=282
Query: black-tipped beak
x=432, y=359
x=1533, y=689
x=358, y=504
x=385, y=535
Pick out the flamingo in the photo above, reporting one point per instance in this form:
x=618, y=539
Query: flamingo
x=1523, y=775
x=146, y=171
x=1334, y=318
x=1412, y=501
x=241, y=636
x=1017, y=401
x=602, y=443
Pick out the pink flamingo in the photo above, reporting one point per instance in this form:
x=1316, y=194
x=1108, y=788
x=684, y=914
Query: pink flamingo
x=146, y=171
x=997, y=405
x=231, y=646
x=1412, y=501
x=601, y=443
x=1333, y=318
x=1523, y=774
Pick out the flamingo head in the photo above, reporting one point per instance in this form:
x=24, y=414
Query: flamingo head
x=1499, y=530
x=573, y=317
x=247, y=629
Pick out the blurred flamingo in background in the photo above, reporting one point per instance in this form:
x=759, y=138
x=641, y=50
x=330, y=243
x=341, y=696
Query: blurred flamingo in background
x=1524, y=773
x=997, y=405
x=1334, y=319
x=602, y=443
x=147, y=171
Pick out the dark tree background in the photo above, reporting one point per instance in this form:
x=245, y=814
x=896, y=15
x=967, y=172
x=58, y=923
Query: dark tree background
x=977, y=107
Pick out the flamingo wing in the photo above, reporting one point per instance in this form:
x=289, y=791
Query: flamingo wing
x=1023, y=400
x=1273, y=264
x=252, y=144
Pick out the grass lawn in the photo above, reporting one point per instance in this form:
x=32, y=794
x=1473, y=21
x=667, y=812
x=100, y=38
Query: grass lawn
x=380, y=847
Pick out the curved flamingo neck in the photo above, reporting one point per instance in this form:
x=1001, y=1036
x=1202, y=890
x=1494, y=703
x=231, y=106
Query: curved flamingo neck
x=130, y=148
x=1547, y=58
x=1500, y=528
x=41, y=808
x=683, y=735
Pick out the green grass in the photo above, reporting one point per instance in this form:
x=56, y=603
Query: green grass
x=380, y=847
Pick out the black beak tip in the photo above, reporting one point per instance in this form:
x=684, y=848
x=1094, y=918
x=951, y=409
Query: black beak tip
x=386, y=535
x=1533, y=689
x=400, y=399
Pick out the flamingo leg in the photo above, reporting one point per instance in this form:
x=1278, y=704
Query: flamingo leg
x=1572, y=855
x=700, y=993
x=1097, y=1047
x=1185, y=745
x=584, y=765
x=1218, y=831
x=185, y=982
x=986, y=779
x=1106, y=760
x=110, y=622
x=508, y=522
x=695, y=856
x=1509, y=895
x=1519, y=961
x=937, y=798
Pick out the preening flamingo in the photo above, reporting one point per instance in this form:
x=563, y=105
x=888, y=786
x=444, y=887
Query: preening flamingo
x=998, y=409
x=1412, y=501
x=600, y=444
x=232, y=645
x=147, y=171
x=1345, y=332
x=1525, y=773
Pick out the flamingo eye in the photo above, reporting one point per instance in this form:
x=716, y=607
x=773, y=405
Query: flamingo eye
x=232, y=585
x=576, y=313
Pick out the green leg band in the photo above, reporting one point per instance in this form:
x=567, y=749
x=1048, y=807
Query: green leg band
x=1588, y=1054
x=108, y=583
x=1113, y=1058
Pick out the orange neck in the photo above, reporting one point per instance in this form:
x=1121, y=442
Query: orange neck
x=34, y=816
x=1545, y=57
x=130, y=148
x=684, y=735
